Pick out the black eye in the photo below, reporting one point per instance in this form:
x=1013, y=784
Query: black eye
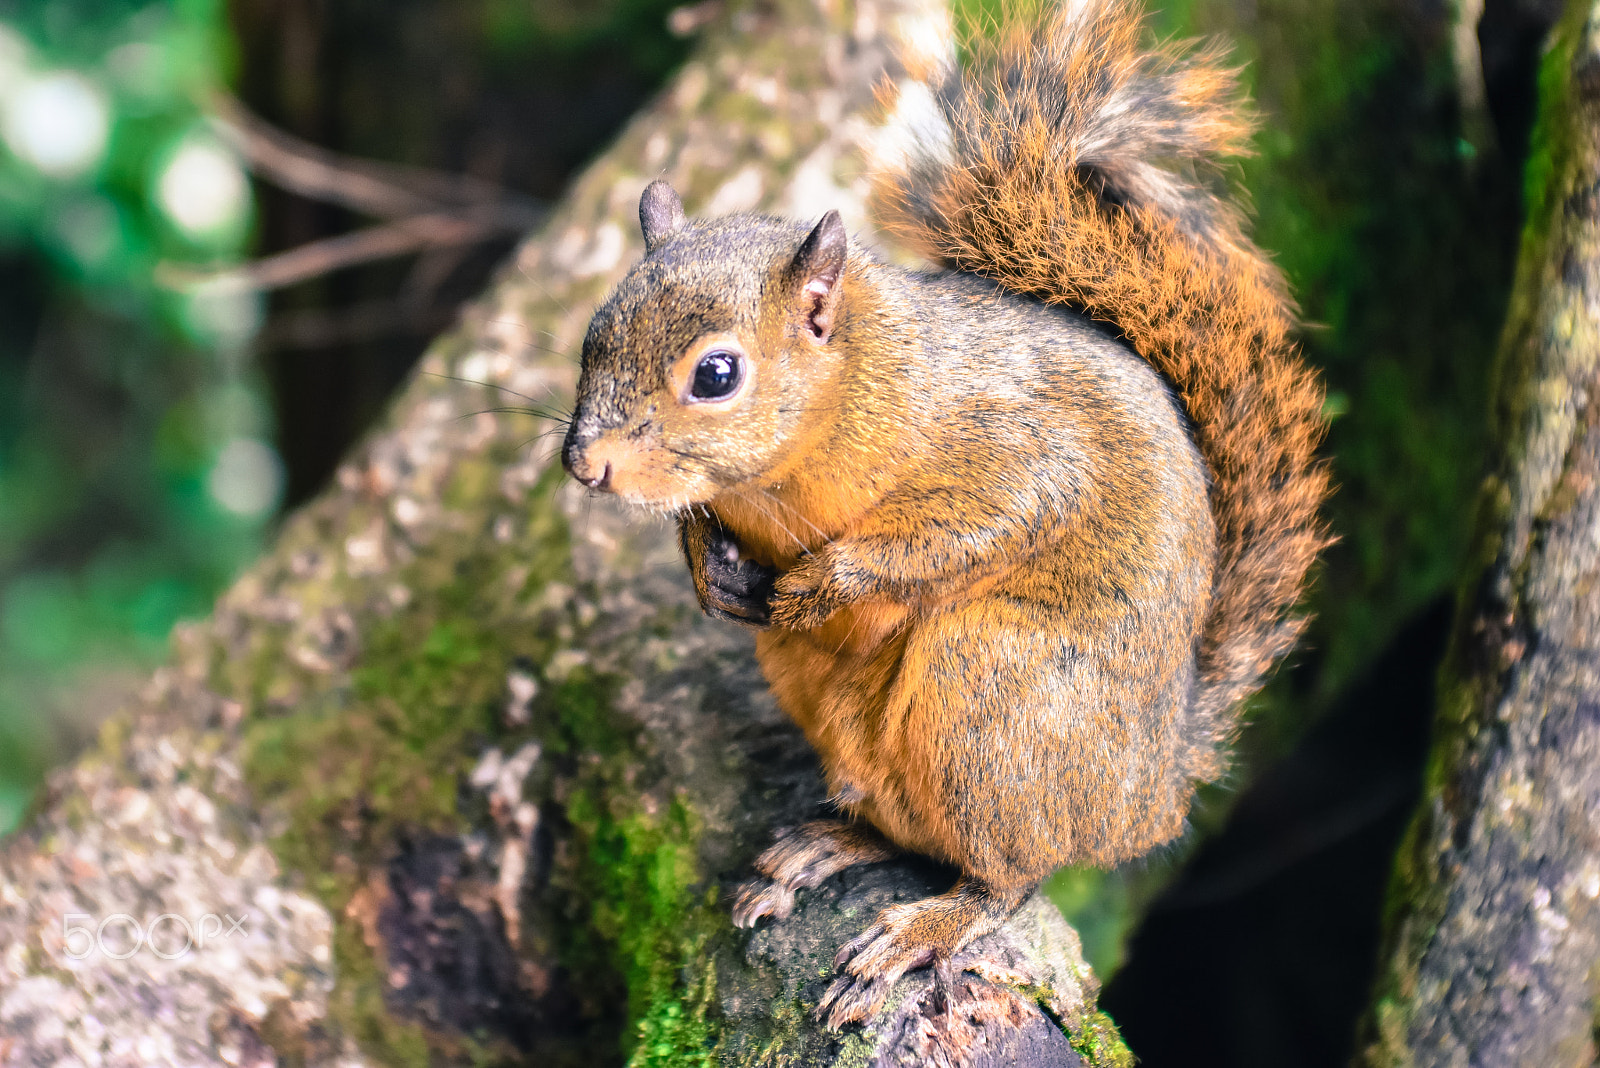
x=716, y=376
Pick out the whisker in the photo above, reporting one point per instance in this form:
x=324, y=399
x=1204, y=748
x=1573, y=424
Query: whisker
x=818, y=531
x=526, y=328
x=775, y=519
x=529, y=343
x=523, y=271
x=488, y=385
x=542, y=413
x=854, y=623
x=539, y=437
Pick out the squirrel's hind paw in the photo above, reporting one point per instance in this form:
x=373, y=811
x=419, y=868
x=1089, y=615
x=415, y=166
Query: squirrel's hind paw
x=802, y=859
x=873, y=962
x=906, y=937
x=851, y=1001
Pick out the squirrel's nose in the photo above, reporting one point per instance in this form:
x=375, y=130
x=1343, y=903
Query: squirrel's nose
x=574, y=453
x=594, y=472
x=586, y=462
x=591, y=457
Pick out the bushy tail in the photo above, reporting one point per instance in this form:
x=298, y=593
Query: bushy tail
x=1072, y=168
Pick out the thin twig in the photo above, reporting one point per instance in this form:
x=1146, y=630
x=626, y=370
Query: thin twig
x=384, y=190
x=324, y=328
x=384, y=241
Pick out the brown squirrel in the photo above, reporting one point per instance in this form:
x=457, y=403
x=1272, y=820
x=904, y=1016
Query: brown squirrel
x=1021, y=532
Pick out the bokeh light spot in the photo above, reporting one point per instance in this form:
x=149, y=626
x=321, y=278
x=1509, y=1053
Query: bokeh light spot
x=13, y=60
x=58, y=122
x=247, y=478
x=224, y=312
x=202, y=189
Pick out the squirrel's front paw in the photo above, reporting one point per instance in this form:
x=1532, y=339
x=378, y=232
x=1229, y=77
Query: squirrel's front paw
x=734, y=587
x=806, y=595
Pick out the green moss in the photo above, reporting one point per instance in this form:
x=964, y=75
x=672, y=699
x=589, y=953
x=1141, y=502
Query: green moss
x=677, y=1028
x=581, y=706
x=648, y=916
x=1098, y=1042
x=391, y=749
x=1550, y=134
x=378, y=755
x=783, y=1044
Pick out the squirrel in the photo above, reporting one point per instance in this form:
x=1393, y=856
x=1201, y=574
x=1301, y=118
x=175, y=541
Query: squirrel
x=1019, y=532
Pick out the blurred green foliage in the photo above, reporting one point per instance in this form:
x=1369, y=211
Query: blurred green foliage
x=135, y=473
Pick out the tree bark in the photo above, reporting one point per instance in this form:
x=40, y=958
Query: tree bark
x=458, y=773
x=1494, y=927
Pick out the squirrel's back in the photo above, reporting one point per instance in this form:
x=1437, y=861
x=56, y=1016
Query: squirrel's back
x=1066, y=171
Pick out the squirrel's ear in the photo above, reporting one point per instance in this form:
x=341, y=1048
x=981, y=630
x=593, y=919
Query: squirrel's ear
x=817, y=267
x=660, y=213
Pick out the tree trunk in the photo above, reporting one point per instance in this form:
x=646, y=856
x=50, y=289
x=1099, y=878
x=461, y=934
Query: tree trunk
x=458, y=773
x=1494, y=931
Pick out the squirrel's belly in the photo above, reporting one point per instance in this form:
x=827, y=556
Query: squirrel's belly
x=929, y=721
x=858, y=648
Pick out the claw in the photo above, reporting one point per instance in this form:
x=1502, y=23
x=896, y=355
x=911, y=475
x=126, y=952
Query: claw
x=757, y=899
x=851, y=1001
x=857, y=944
x=873, y=962
x=881, y=953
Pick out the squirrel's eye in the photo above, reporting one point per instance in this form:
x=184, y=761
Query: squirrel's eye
x=716, y=376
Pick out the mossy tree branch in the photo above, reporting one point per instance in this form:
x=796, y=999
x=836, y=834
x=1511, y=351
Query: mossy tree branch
x=461, y=755
x=1494, y=931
